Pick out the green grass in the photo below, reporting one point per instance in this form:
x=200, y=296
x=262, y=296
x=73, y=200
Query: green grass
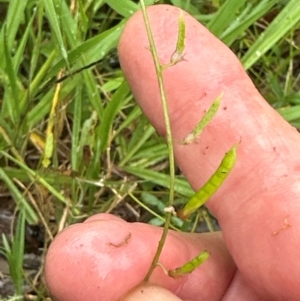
x=90, y=149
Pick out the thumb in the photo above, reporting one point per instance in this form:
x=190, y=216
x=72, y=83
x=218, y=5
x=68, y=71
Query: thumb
x=150, y=292
x=258, y=205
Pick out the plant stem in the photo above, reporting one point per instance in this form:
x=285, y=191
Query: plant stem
x=159, y=70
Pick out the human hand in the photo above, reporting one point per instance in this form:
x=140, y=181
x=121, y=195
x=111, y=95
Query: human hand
x=257, y=255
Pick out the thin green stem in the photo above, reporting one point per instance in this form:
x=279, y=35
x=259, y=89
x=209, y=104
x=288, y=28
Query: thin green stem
x=151, y=211
x=160, y=247
x=159, y=70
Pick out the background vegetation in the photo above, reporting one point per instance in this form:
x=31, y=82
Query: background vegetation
x=72, y=140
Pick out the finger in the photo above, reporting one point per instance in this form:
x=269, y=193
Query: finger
x=258, y=205
x=102, y=217
x=104, y=259
x=239, y=289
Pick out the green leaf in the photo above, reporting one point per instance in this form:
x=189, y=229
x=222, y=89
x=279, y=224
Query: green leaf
x=39, y=179
x=14, y=17
x=94, y=48
x=151, y=154
x=16, y=262
x=55, y=27
x=149, y=131
x=75, y=157
x=280, y=26
x=290, y=113
x=19, y=56
x=181, y=186
x=224, y=16
x=11, y=101
x=247, y=17
x=114, y=106
x=125, y=7
x=22, y=203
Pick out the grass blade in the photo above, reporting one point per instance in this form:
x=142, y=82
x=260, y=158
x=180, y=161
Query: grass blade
x=14, y=17
x=94, y=48
x=11, y=101
x=248, y=17
x=55, y=27
x=110, y=112
x=17, y=253
x=147, y=134
x=225, y=15
x=39, y=179
x=125, y=7
x=21, y=202
x=181, y=185
x=75, y=158
x=281, y=25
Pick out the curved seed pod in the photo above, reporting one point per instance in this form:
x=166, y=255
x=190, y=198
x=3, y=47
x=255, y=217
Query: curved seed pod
x=211, y=112
x=178, y=53
x=211, y=186
x=190, y=266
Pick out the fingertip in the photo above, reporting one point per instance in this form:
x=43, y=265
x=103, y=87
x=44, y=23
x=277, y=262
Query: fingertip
x=103, y=217
x=106, y=259
x=92, y=260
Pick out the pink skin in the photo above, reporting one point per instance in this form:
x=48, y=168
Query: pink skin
x=257, y=207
